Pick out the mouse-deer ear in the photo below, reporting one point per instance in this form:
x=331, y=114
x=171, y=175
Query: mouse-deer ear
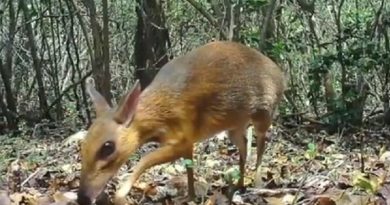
x=125, y=112
x=98, y=100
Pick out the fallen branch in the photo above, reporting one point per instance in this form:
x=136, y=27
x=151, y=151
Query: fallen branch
x=270, y=192
x=30, y=177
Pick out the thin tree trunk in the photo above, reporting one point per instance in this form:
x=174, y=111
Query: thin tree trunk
x=101, y=73
x=106, y=44
x=6, y=70
x=232, y=22
x=267, y=28
x=7, y=109
x=152, y=40
x=55, y=67
x=36, y=63
x=339, y=47
x=385, y=88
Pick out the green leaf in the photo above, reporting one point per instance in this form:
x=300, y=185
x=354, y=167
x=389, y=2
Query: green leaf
x=232, y=174
x=188, y=163
x=312, y=146
x=369, y=185
x=311, y=153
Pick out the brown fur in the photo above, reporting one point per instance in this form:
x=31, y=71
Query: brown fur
x=216, y=87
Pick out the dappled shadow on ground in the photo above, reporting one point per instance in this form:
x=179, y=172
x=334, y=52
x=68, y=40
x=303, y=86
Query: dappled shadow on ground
x=308, y=168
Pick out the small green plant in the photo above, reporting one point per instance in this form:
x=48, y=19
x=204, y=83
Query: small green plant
x=232, y=176
x=188, y=163
x=311, y=152
x=369, y=184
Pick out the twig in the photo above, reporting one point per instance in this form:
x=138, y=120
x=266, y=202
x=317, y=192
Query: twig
x=377, y=16
x=67, y=89
x=302, y=184
x=362, y=145
x=207, y=15
x=270, y=192
x=30, y=177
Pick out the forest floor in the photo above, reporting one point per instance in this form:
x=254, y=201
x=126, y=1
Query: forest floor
x=299, y=167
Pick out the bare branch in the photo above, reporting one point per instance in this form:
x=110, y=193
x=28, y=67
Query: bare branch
x=207, y=15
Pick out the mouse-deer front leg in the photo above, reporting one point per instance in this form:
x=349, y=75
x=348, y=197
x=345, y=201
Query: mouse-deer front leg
x=167, y=153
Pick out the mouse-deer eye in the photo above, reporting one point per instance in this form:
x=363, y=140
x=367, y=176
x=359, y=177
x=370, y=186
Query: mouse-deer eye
x=106, y=150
